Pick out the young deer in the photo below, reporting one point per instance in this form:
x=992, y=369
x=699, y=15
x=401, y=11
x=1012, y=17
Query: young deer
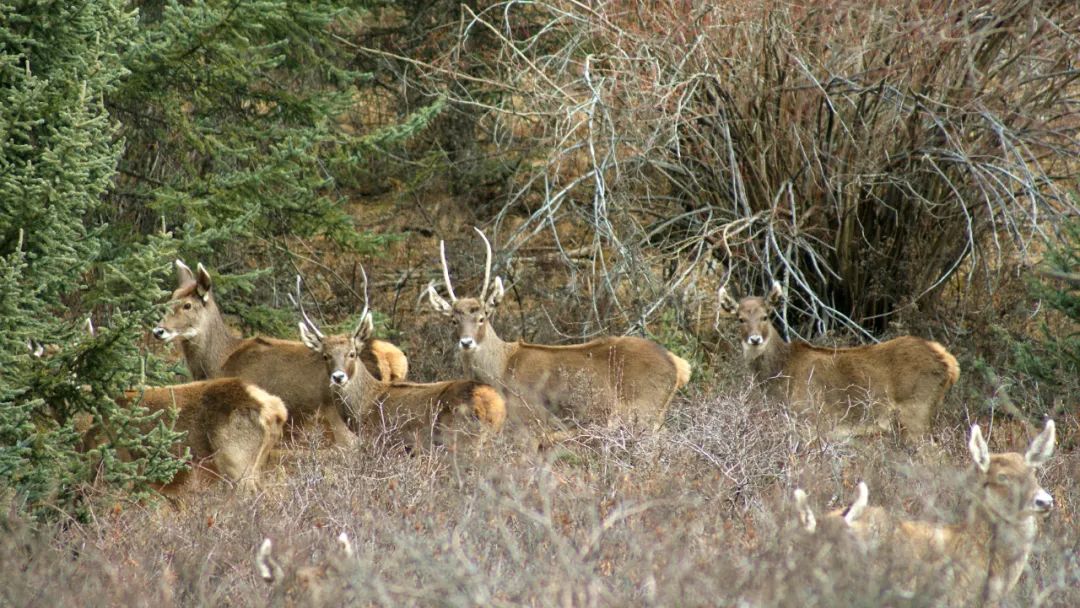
x=631, y=378
x=440, y=413
x=983, y=556
x=858, y=388
x=231, y=427
x=283, y=367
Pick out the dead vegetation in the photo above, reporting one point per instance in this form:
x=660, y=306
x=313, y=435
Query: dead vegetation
x=697, y=514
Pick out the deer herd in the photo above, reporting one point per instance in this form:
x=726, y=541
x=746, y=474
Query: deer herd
x=245, y=390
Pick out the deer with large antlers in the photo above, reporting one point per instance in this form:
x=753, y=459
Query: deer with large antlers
x=980, y=559
x=282, y=367
x=631, y=378
x=857, y=389
x=421, y=414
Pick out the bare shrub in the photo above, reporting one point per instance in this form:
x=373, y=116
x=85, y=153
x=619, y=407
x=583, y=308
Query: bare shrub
x=861, y=153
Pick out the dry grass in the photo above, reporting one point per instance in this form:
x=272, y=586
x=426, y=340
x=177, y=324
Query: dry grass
x=697, y=514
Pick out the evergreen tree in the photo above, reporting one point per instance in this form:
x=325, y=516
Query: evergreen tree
x=58, y=154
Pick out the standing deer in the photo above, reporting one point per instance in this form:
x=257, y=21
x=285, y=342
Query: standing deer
x=230, y=426
x=283, y=367
x=858, y=388
x=982, y=557
x=439, y=413
x=631, y=378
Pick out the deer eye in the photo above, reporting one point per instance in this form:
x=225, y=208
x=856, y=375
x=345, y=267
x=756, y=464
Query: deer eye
x=480, y=320
x=187, y=305
x=352, y=354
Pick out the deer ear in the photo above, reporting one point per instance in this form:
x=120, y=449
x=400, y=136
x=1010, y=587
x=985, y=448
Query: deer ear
x=344, y=544
x=310, y=338
x=437, y=302
x=1042, y=447
x=806, y=515
x=727, y=304
x=776, y=294
x=203, y=282
x=980, y=452
x=497, y=293
x=364, y=329
x=183, y=273
x=268, y=568
x=857, y=508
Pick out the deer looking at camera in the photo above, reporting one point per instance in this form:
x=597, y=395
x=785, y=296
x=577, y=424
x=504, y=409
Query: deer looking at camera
x=422, y=414
x=980, y=559
x=283, y=367
x=626, y=377
x=860, y=388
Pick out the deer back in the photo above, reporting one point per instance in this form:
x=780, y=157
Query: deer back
x=624, y=376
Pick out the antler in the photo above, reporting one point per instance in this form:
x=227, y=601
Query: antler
x=365, y=313
x=298, y=302
x=446, y=271
x=487, y=264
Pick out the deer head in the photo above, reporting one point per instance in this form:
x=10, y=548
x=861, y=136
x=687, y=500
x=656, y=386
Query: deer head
x=340, y=352
x=192, y=306
x=1008, y=484
x=470, y=316
x=753, y=313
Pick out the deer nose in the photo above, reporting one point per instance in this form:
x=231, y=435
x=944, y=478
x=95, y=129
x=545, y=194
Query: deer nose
x=1043, y=500
x=339, y=377
x=467, y=343
x=755, y=340
x=159, y=333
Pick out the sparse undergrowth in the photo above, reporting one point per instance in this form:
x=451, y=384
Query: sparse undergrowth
x=698, y=514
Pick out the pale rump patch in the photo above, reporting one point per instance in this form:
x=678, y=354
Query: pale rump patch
x=489, y=406
x=951, y=366
x=682, y=370
x=393, y=364
x=273, y=412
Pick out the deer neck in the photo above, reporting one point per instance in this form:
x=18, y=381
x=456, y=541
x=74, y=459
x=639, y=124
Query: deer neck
x=488, y=363
x=771, y=361
x=207, y=351
x=361, y=392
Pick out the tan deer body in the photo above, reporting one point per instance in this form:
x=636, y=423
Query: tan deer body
x=630, y=378
x=282, y=367
x=231, y=426
x=981, y=558
x=422, y=414
x=859, y=388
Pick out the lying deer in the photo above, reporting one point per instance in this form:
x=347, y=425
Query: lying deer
x=439, y=413
x=626, y=377
x=841, y=518
x=983, y=556
x=325, y=584
x=230, y=425
x=282, y=367
x=858, y=388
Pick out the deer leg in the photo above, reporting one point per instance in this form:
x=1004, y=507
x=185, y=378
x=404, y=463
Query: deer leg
x=342, y=435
